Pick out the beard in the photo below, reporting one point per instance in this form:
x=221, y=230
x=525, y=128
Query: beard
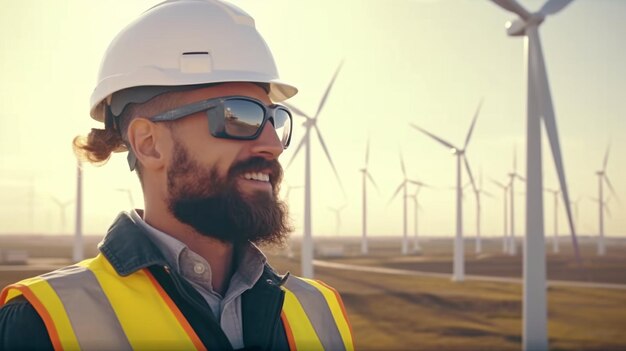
x=215, y=207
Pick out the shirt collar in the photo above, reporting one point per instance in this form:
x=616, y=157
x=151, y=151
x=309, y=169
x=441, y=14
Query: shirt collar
x=250, y=259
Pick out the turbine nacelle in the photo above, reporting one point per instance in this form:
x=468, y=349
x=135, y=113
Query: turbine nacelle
x=517, y=27
x=309, y=122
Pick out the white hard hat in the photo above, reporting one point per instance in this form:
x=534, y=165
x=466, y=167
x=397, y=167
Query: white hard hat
x=187, y=42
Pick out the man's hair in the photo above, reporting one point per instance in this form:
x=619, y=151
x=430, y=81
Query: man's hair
x=97, y=147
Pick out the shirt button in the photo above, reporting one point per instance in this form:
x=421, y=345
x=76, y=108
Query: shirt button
x=199, y=268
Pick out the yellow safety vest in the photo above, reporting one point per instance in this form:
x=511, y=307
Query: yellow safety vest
x=89, y=306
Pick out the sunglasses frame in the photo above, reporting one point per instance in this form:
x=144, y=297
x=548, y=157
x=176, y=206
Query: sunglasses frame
x=214, y=108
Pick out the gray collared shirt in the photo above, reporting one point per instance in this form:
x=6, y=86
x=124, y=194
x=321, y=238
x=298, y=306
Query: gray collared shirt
x=196, y=270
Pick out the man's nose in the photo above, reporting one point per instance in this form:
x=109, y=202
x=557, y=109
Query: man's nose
x=268, y=144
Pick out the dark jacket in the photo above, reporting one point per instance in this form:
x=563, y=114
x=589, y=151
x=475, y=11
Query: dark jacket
x=128, y=249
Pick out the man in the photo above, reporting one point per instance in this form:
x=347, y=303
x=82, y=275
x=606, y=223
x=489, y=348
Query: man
x=188, y=90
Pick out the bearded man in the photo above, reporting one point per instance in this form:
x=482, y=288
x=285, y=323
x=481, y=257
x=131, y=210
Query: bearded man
x=190, y=91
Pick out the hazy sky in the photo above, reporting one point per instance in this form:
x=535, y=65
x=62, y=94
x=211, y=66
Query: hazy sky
x=422, y=62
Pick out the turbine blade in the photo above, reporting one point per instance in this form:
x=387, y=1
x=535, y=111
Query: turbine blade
x=607, y=209
x=514, y=7
x=469, y=133
x=542, y=89
x=330, y=160
x=296, y=110
x=608, y=182
x=606, y=158
x=469, y=172
x=488, y=194
x=403, y=167
x=367, y=152
x=330, y=85
x=498, y=183
x=369, y=176
x=520, y=177
x=56, y=200
x=295, y=153
x=396, y=192
x=445, y=143
x=553, y=6
x=415, y=182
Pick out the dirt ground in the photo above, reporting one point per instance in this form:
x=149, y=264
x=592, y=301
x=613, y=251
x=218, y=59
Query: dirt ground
x=390, y=312
x=436, y=256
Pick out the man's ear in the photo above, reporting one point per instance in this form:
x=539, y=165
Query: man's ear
x=143, y=136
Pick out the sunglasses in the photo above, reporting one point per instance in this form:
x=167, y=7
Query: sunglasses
x=236, y=117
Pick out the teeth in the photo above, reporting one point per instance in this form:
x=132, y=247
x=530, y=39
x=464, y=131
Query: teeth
x=262, y=177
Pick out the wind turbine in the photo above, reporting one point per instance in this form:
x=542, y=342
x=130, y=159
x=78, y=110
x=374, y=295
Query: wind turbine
x=286, y=199
x=605, y=208
x=512, y=176
x=505, y=238
x=78, y=252
x=539, y=107
x=62, y=208
x=131, y=202
x=478, y=191
x=403, y=186
x=458, y=265
x=416, y=209
x=602, y=178
x=288, y=191
x=311, y=124
x=555, y=240
x=337, y=212
x=366, y=175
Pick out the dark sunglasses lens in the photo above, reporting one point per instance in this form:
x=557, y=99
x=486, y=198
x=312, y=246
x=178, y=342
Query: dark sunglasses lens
x=242, y=118
x=282, y=124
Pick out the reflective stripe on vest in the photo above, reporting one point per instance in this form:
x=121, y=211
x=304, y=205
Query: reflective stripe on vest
x=88, y=306
x=314, y=317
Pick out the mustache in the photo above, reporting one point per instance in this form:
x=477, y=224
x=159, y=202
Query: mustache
x=258, y=164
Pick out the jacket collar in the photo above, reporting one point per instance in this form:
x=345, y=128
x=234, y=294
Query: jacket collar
x=128, y=248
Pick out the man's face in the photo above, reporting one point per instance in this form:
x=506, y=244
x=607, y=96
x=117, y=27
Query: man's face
x=223, y=188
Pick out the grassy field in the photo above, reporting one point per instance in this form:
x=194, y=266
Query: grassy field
x=391, y=312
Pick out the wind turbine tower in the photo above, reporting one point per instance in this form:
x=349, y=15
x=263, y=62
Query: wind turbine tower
x=458, y=266
x=311, y=124
x=62, y=214
x=337, y=212
x=505, y=238
x=478, y=191
x=603, y=178
x=366, y=176
x=78, y=254
x=539, y=108
x=286, y=199
x=403, y=186
x=512, y=176
x=416, y=209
